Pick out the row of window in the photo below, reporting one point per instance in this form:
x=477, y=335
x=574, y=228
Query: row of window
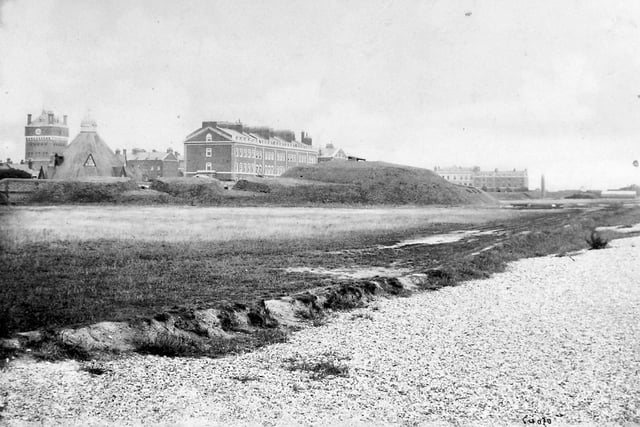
x=46, y=138
x=268, y=155
x=245, y=152
x=32, y=154
x=273, y=170
x=46, y=143
x=242, y=167
x=455, y=178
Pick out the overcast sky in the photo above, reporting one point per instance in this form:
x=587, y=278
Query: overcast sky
x=552, y=86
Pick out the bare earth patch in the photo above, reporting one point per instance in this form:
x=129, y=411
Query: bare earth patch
x=364, y=272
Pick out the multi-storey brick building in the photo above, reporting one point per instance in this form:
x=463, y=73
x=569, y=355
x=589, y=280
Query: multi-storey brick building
x=45, y=137
x=487, y=180
x=458, y=175
x=502, y=180
x=152, y=164
x=231, y=151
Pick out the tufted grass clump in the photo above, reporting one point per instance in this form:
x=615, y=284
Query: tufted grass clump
x=595, y=240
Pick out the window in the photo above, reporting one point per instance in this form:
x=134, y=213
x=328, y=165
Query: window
x=207, y=166
x=209, y=138
x=208, y=154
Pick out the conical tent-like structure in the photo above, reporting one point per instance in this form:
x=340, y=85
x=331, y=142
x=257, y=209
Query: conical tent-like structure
x=88, y=156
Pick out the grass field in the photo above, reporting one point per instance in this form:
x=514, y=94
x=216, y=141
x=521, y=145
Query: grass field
x=184, y=223
x=77, y=265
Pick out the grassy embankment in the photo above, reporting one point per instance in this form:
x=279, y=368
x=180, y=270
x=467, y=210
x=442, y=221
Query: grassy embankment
x=52, y=283
x=343, y=183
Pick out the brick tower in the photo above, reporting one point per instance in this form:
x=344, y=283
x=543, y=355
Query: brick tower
x=44, y=137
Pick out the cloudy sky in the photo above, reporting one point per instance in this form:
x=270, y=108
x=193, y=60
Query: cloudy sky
x=552, y=86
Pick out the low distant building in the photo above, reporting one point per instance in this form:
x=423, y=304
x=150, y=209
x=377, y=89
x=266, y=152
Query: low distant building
x=330, y=152
x=496, y=180
x=45, y=136
x=19, y=166
x=231, y=151
x=153, y=164
x=458, y=175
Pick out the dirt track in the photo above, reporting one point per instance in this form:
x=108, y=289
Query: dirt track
x=553, y=338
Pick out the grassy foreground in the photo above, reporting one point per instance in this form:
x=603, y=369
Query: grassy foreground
x=55, y=283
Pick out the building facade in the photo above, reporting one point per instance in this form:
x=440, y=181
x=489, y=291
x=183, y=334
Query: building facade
x=45, y=136
x=232, y=151
x=458, y=175
x=153, y=164
x=496, y=180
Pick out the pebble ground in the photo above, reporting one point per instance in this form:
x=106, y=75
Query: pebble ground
x=552, y=339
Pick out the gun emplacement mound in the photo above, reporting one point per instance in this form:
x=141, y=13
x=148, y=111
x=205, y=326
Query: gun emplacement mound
x=385, y=183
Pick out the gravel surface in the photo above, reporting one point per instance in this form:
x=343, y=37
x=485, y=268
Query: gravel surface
x=553, y=338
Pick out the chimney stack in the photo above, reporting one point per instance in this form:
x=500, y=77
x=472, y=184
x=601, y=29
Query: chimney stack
x=28, y=119
x=30, y=164
x=543, y=190
x=64, y=119
x=124, y=153
x=50, y=115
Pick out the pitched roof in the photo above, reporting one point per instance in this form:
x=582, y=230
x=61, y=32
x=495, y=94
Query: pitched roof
x=199, y=135
x=151, y=155
x=330, y=151
x=23, y=167
x=88, y=155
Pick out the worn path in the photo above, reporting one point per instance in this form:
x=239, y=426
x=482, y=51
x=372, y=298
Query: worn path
x=551, y=339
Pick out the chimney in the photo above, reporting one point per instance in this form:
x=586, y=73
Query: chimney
x=64, y=120
x=28, y=119
x=117, y=151
x=30, y=164
x=50, y=115
x=124, y=153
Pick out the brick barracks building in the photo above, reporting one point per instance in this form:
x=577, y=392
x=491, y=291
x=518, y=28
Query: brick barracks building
x=45, y=137
x=232, y=151
x=515, y=180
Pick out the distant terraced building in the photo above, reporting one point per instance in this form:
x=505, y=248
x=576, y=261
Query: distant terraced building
x=231, y=151
x=496, y=180
x=152, y=164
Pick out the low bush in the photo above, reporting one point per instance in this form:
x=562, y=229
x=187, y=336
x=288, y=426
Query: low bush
x=165, y=344
x=189, y=190
x=596, y=241
x=329, y=193
x=172, y=345
x=144, y=197
x=331, y=366
x=257, y=187
x=80, y=192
